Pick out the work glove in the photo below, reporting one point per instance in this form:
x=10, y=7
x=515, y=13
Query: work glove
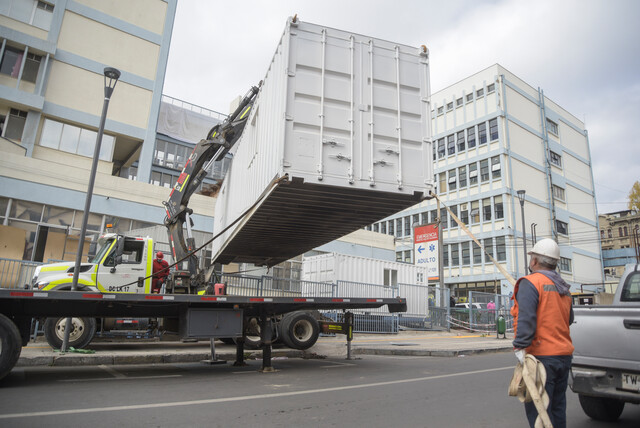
x=520, y=353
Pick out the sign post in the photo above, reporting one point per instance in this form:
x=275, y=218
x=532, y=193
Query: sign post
x=426, y=249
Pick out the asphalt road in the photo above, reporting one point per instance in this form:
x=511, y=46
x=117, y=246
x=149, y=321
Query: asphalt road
x=375, y=391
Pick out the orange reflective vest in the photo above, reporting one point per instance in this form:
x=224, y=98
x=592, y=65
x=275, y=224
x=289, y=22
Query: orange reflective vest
x=552, y=318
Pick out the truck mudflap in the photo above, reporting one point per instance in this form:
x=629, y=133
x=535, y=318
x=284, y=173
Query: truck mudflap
x=605, y=382
x=401, y=306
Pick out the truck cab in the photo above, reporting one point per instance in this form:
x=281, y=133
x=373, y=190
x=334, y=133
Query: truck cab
x=120, y=265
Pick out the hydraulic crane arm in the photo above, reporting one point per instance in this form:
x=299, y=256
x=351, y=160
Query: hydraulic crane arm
x=219, y=141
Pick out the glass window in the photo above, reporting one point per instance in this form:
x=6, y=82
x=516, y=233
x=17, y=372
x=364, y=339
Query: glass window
x=398, y=227
x=473, y=173
x=464, y=213
x=425, y=217
x=462, y=176
x=626, y=232
x=486, y=209
x=376, y=227
x=15, y=124
x=11, y=61
x=434, y=215
x=440, y=110
x=450, y=106
x=470, y=97
x=415, y=220
x=407, y=256
x=475, y=212
x=390, y=277
x=488, y=248
x=452, y=180
x=471, y=137
x=455, y=255
x=383, y=227
x=482, y=133
x=558, y=192
x=459, y=102
x=398, y=256
x=552, y=127
x=159, y=153
x=562, y=227
x=87, y=142
x=445, y=255
x=461, y=142
x=609, y=235
x=58, y=216
x=479, y=93
x=443, y=182
x=31, y=67
x=499, y=211
x=441, y=148
x=69, y=139
x=493, y=129
x=23, y=210
x=466, y=254
x=491, y=88
x=495, y=167
x=565, y=264
x=444, y=218
x=51, y=132
x=555, y=159
x=451, y=144
x=155, y=178
x=72, y=139
x=454, y=210
x=477, y=253
x=484, y=170
x=501, y=250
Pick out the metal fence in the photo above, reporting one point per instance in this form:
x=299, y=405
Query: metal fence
x=481, y=312
x=16, y=273
x=427, y=307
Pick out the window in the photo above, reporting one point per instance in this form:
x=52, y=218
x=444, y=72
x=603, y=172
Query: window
x=451, y=144
x=488, y=248
x=73, y=139
x=473, y=173
x=407, y=226
x=434, y=215
x=620, y=232
x=452, y=180
x=462, y=176
x=443, y=182
x=461, y=141
x=626, y=232
x=383, y=227
x=12, y=61
x=445, y=255
x=470, y=97
x=493, y=129
x=390, y=277
x=398, y=256
x=484, y=170
x=555, y=159
x=475, y=212
x=491, y=88
x=441, y=151
x=450, y=106
x=486, y=209
x=609, y=235
x=482, y=133
x=466, y=253
x=425, y=217
x=459, y=102
x=398, y=228
x=435, y=150
x=464, y=213
x=471, y=137
x=440, y=110
x=415, y=219
x=565, y=264
x=562, y=227
x=601, y=234
x=15, y=124
x=455, y=255
x=454, y=210
x=552, y=127
x=444, y=218
x=407, y=256
x=498, y=208
x=479, y=93
x=558, y=193
x=477, y=253
x=376, y=227
x=501, y=250
x=495, y=167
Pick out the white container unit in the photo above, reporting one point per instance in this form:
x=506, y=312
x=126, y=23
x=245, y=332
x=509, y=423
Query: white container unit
x=338, y=138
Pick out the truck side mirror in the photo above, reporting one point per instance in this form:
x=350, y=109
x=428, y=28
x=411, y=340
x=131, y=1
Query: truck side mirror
x=118, y=259
x=120, y=247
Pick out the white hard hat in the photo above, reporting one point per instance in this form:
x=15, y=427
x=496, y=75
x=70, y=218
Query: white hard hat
x=546, y=247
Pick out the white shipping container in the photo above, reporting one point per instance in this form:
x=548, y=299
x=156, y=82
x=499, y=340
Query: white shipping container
x=338, y=138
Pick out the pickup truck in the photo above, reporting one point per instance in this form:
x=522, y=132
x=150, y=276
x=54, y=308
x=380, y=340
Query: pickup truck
x=605, y=372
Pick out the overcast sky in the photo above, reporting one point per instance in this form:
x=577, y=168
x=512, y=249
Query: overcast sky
x=584, y=54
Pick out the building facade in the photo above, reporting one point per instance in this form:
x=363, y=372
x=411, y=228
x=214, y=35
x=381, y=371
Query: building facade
x=620, y=235
x=52, y=57
x=494, y=134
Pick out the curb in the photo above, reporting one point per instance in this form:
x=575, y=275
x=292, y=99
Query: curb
x=427, y=353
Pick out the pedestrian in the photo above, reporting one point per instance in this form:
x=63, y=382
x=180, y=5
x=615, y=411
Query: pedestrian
x=491, y=306
x=160, y=272
x=452, y=301
x=542, y=312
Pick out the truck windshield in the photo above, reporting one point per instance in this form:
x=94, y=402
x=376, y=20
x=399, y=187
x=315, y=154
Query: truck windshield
x=104, y=247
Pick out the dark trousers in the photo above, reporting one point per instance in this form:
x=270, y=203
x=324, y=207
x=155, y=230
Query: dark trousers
x=557, y=368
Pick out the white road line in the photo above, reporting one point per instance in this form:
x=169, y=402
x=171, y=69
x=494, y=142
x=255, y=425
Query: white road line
x=336, y=364
x=119, y=378
x=113, y=372
x=243, y=397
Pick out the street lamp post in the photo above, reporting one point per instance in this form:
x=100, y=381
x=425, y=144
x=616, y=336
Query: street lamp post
x=521, y=194
x=111, y=76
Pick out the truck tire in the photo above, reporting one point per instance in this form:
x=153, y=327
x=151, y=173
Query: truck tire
x=252, y=330
x=600, y=408
x=228, y=340
x=10, y=345
x=299, y=330
x=82, y=331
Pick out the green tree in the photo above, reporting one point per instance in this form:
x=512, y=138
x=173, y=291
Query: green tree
x=634, y=196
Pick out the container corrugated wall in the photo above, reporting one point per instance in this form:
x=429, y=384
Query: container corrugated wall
x=344, y=119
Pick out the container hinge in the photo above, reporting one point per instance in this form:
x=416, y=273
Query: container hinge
x=332, y=142
x=424, y=99
x=391, y=151
x=288, y=117
x=290, y=73
x=341, y=157
x=382, y=162
x=286, y=164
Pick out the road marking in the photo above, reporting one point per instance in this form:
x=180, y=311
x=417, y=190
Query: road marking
x=337, y=364
x=112, y=371
x=243, y=397
x=119, y=378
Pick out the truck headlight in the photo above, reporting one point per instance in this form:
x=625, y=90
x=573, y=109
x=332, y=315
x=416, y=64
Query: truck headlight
x=40, y=285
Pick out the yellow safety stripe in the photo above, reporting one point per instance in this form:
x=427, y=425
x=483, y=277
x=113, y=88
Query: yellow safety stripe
x=147, y=282
x=245, y=112
x=54, y=268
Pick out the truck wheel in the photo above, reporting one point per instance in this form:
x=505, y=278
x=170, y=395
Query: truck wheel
x=299, y=330
x=227, y=340
x=82, y=331
x=252, y=334
x=10, y=345
x=600, y=408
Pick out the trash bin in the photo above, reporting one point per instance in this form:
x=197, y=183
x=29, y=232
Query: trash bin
x=501, y=327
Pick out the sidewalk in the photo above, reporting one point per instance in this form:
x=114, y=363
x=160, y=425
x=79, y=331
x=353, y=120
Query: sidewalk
x=409, y=343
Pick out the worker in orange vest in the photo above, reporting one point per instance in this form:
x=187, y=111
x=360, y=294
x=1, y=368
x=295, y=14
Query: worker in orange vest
x=542, y=313
x=160, y=272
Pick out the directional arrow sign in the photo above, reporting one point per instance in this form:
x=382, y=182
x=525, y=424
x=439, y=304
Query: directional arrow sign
x=426, y=249
x=420, y=249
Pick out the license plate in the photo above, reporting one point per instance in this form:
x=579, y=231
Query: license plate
x=631, y=382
